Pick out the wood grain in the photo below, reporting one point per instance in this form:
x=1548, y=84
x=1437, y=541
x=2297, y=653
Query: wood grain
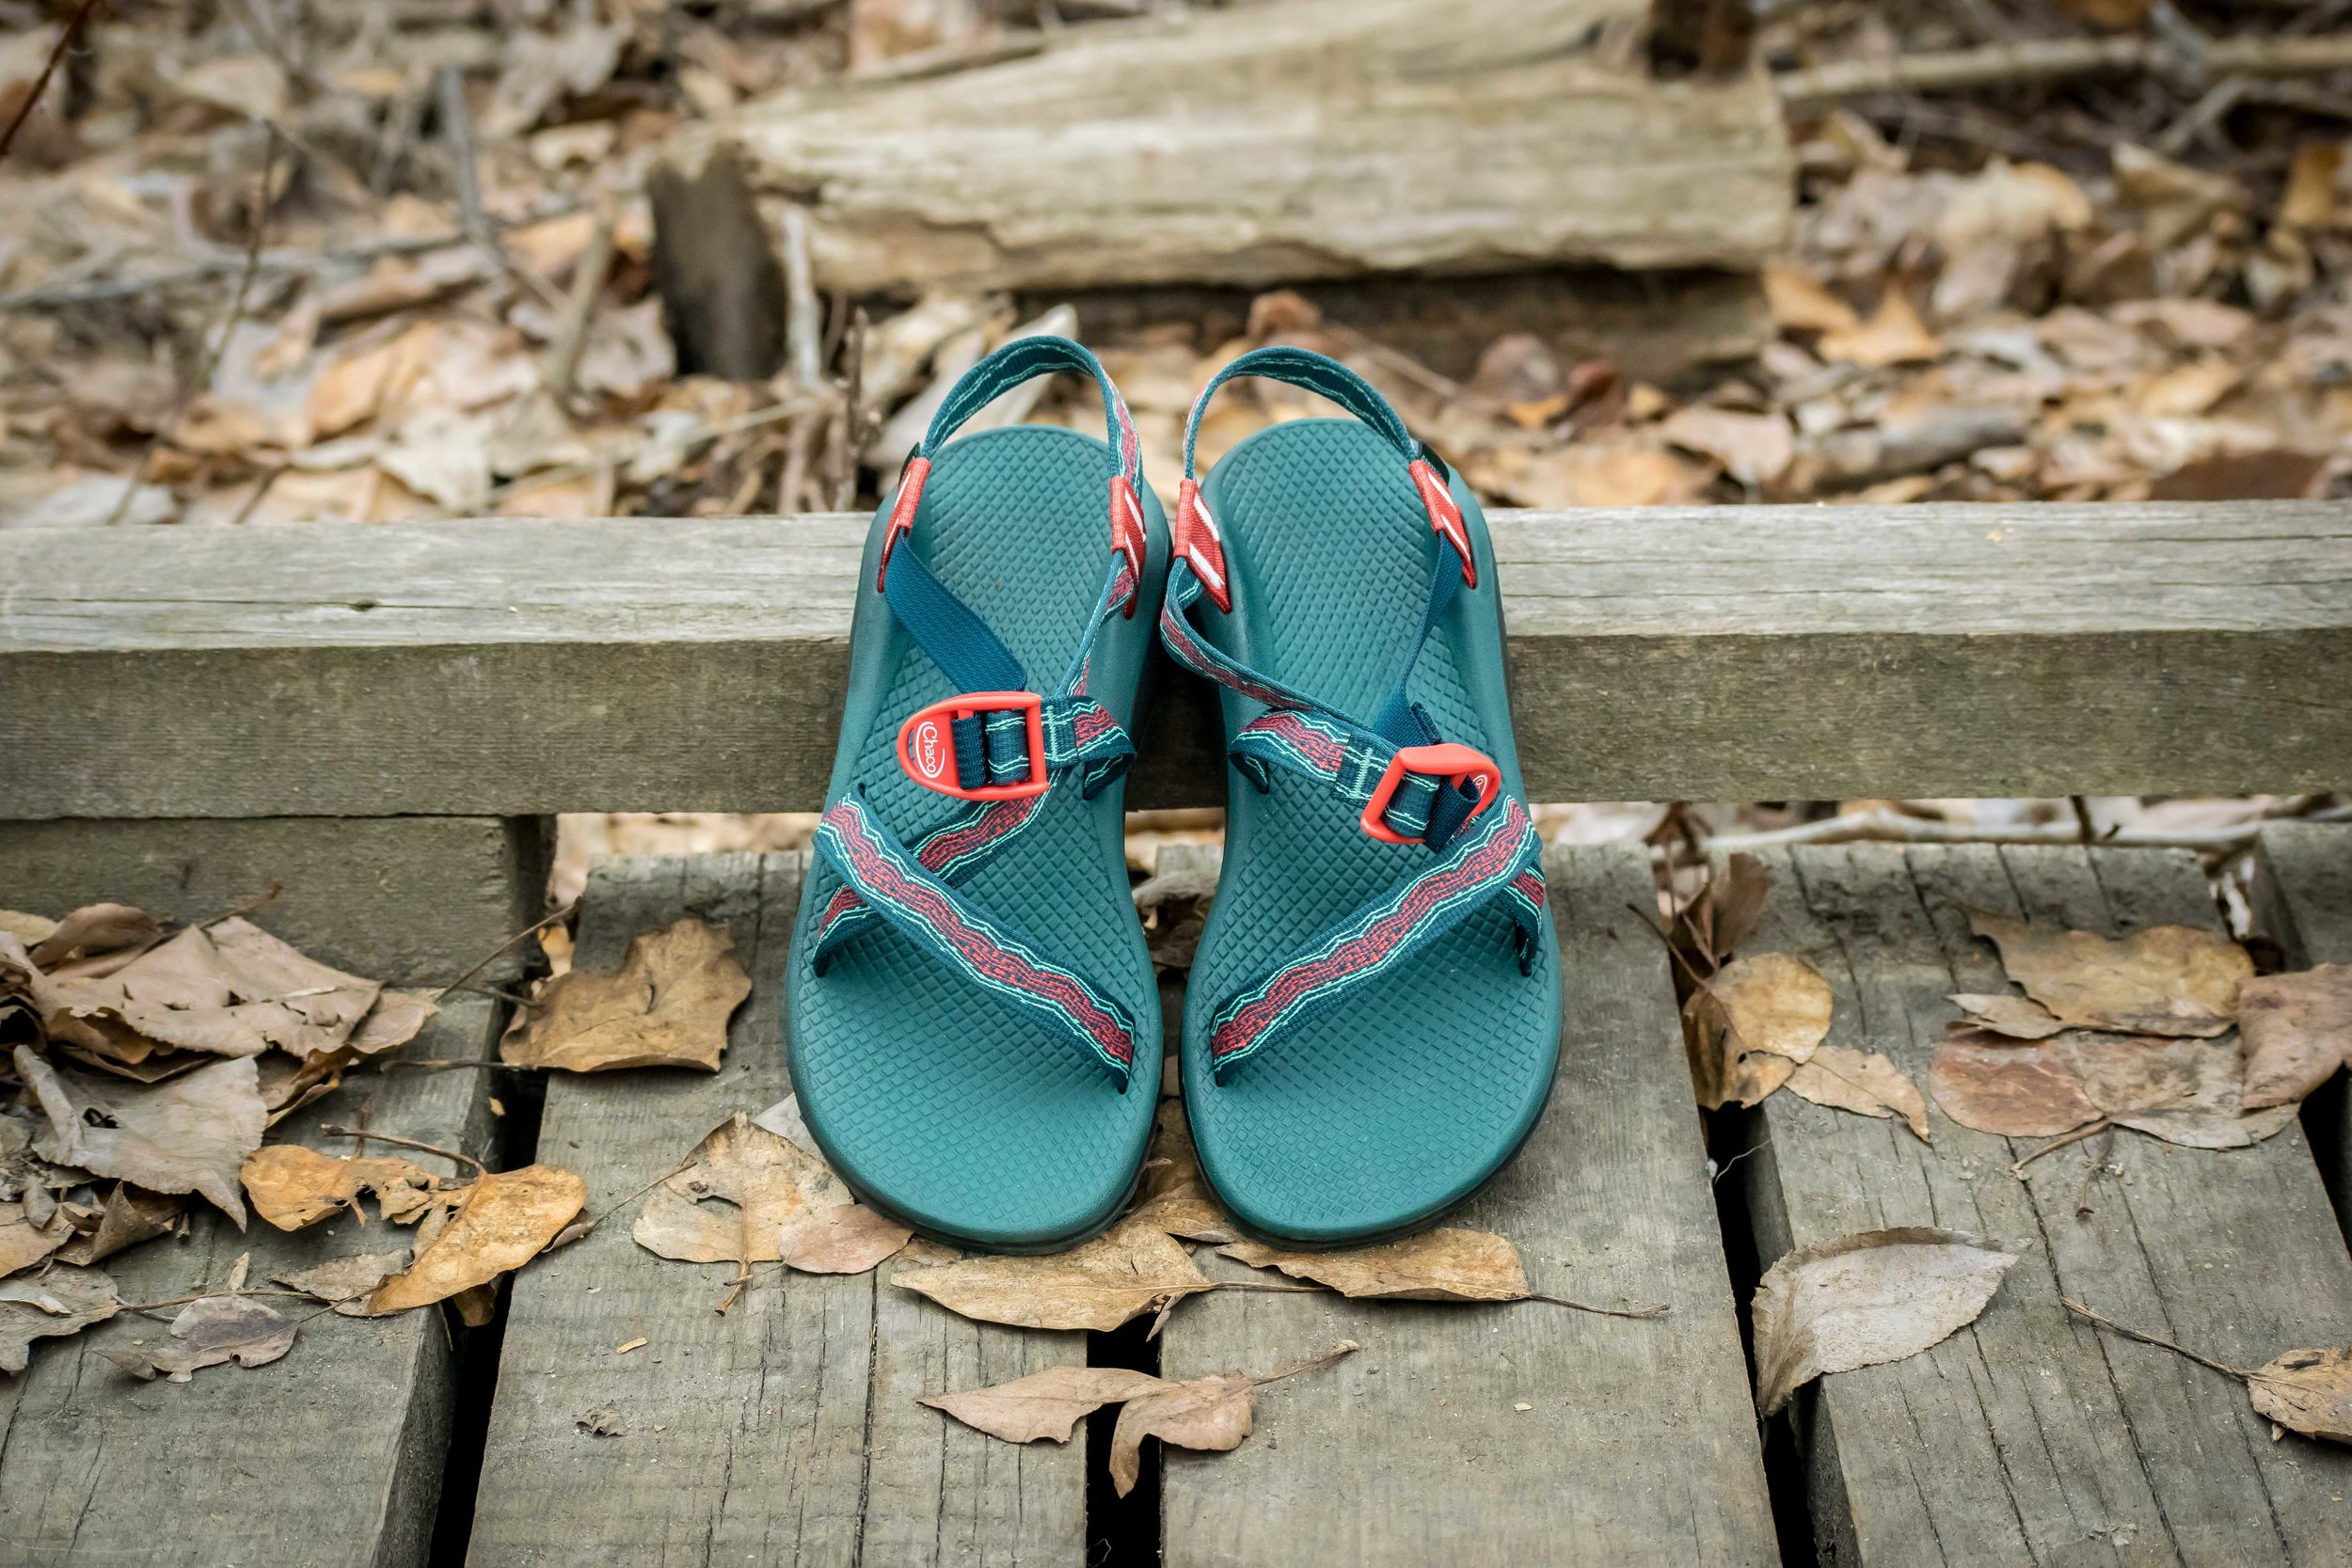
x=1640, y=1446
x=2029, y=1438
x=332, y=1456
x=785, y=1431
x=2303, y=901
x=1278, y=143
x=507, y=668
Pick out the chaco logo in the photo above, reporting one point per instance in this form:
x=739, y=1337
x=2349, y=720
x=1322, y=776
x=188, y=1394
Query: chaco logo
x=930, y=758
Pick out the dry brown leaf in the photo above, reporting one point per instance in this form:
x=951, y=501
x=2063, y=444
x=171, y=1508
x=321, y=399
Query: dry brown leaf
x=2163, y=980
x=1047, y=1404
x=1865, y=1082
x=189, y=1134
x=847, y=1239
x=346, y=1282
x=1121, y=1274
x=1211, y=1413
x=293, y=1187
x=93, y=929
x=233, y=990
x=215, y=1329
x=1999, y=1013
x=1894, y=336
x=23, y=1244
x=394, y=1021
x=506, y=1220
x=1750, y=1025
x=2307, y=1391
x=667, y=1005
x=2310, y=199
x=1445, y=1264
x=2296, y=1030
x=1857, y=1301
x=2184, y=1091
x=2011, y=1089
x=1801, y=303
x=1754, y=448
x=731, y=1204
x=129, y=1218
x=30, y=930
x=60, y=1300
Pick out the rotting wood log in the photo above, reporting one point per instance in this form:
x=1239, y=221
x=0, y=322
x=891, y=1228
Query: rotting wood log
x=1700, y=38
x=1317, y=139
x=715, y=267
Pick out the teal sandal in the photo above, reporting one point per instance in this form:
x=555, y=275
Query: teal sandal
x=970, y=999
x=1374, y=1011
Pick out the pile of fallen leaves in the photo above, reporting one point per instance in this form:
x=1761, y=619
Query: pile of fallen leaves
x=147, y=1065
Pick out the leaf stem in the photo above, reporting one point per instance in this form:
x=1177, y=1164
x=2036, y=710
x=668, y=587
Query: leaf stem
x=457, y=1154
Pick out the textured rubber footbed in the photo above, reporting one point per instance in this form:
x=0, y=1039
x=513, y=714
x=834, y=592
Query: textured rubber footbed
x=950, y=1107
x=1374, y=1118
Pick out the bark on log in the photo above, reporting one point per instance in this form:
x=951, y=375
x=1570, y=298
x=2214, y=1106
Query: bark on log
x=1318, y=139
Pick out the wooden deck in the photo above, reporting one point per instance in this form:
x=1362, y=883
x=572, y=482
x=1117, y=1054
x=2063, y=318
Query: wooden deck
x=786, y=1430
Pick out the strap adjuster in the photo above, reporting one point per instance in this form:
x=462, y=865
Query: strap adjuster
x=1445, y=516
x=911, y=474
x=1446, y=760
x=927, y=744
x=1127, y=535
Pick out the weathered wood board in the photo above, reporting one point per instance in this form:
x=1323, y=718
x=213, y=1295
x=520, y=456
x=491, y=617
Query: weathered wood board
x=506, y=668
x=2029, y=1436
x=785, y=1431
x=1639, y=1447
x=2303, y=900
x=410, y=900
x=1273, y=143
x=331, y=1456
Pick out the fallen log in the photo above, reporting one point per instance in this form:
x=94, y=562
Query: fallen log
x=1324, y=138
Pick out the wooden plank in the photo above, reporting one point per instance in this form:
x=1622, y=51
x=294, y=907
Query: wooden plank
x=410, y=900
x=332, y=1456
x=785, y=1431
x=509, y=668
x=2303, y=900
x=1212, y=147
x=2028, y=1437
x=1640, y=1444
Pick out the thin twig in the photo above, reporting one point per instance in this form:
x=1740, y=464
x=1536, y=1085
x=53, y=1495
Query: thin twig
x=207, y=1295
x=1647, y=1309
x=219, y=347
x=580, y=308
x=2109, y=1323
x=500, y=950
x=254, y=905
x=2091, y=1130
x=2054, y=60
x=457, y=1154
x=803, y=325
x=1881, y=826
x=2090, y=1173
x=1345, y=1347
x=49, y=68
x=465, y=173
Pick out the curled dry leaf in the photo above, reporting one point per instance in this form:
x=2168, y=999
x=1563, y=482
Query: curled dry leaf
x=346, y=1282
x=1752, y=1024
x=129, y=1218
x=1865, y=1082
x=293, y=1187
x=215, y=1329
x=1445, y=1264
x=62, y=1300
x=22, y=1242
x=505, y=1221
x=2182, y=1090
x=1125, y=1272
x=229, y=990
x=731, y=1204
x=2163, y=980
x=2016, y=1017
x=2296, y=1030
x=188, y=1135
x=93, y=929
x=2307, y=1391
x=1211, y=1413
x=1720, y=916
x=847, y=1239
x=667, y=1005
x=1047, y=1404
x=1856, y=1301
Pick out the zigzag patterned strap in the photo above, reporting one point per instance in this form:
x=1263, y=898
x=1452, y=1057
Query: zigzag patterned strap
x=1348, y=760
x=886, y=876
x=1496, y=857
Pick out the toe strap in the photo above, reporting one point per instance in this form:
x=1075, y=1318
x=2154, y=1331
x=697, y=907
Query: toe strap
x=893, y=883
x=1496, y=858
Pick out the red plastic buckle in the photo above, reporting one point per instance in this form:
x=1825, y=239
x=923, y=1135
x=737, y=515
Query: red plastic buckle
x=927, y=744
x=910, y=480
x=1445, y=516
x=1127, y=535
x=1202, y=545
x=1448, y=761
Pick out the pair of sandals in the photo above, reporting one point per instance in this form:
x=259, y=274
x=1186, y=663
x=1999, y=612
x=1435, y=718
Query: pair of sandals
x=1373, y=1011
